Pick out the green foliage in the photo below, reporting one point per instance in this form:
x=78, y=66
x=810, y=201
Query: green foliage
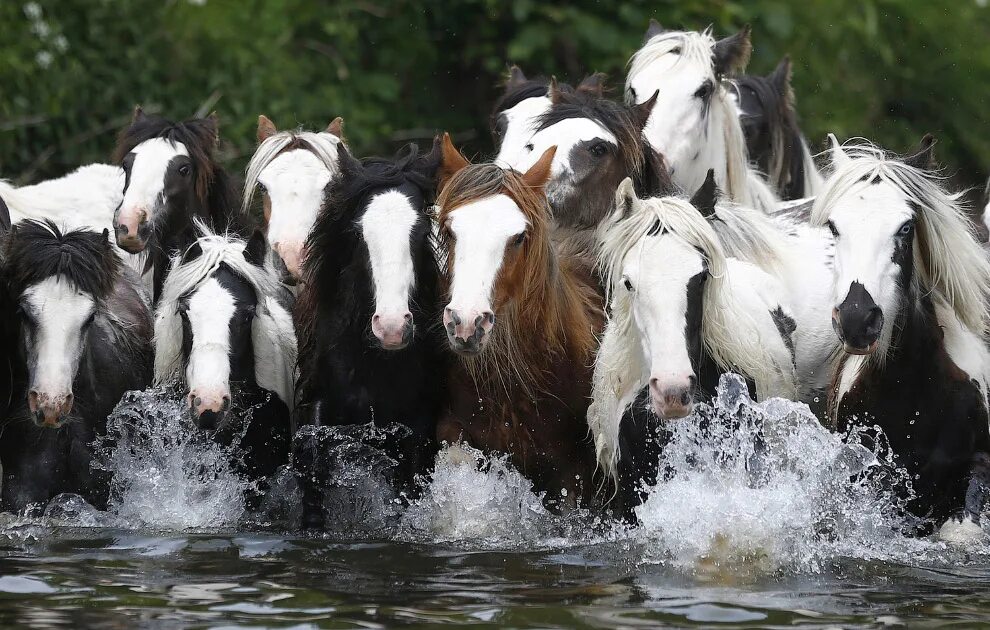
x=400, y=70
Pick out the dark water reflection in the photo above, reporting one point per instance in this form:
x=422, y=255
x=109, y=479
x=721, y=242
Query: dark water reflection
x=76, y=577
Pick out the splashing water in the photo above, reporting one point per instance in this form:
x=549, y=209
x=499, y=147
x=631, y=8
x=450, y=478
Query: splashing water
x=167, y=473
x=763, y=486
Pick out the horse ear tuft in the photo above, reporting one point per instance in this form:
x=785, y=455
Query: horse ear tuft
x=266, y=128
x=138, y=114
x=452, y=161
x=539, y=174
x=553, y=90
x=428, y=163
x=653, y=29
x=256, y=249
x=193, y=252
x=706, y=198
x=641, y=112
x=732, y=53
x=593, y=84
x=336, y=127
x=515, y=78
x=924, y=158
x=838, y=154
x=781, y=75
x=346, y=162
x=625, y=199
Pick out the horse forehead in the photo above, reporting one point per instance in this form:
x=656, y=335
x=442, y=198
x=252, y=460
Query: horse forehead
x=663, y=259
x=212, y=303
x=58, y=297
x=876, y=208
x=570, y=131
x=158, y=151
x=496, y=217
x=674, y=72
x=528, y=108
x=389, y=214
x=300, y=164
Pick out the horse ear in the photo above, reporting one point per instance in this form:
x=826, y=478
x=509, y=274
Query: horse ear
x=593, y=84
x=266, y=128
x=137, y=115
x=707, y=196
x=839, y=156
x=451, y=161
x=781, y=75
x=336, y=127
x=625, y=199
x=732, y=53
x=539, y=173
x=924, y=159
x=553, y=90
x=428, y=163
x=256, y=249
x=5, y=221
x=213, y=124
x=641, y=112
x=515, y=78
x=653, y=30
x=346, y=162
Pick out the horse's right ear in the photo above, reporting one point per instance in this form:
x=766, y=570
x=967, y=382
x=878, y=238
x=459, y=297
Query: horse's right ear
x=780, y=78
x=346, y=162
x=515, y=78
x=137, y=115
x=839, y=156
x=924, y=158
x=625, y=199
x=336, y=127
x=653, y=30
x=428, y=163
x=706, y=197
x=451, y=161
x=593, y=84
x=266, y=128
x=553, y=91
x=732, y=53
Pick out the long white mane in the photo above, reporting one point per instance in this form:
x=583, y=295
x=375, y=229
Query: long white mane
x=742, y=183
x=949, y=262
x=272, y=331
x=322, y=144
x=729, y=331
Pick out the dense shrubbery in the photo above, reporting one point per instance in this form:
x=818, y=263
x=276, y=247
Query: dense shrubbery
x=71, y=70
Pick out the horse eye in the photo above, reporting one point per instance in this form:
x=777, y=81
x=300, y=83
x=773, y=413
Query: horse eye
x=598, y=149
x=632, y=92
x=184, y=170
x=262, y=188
x=906, y=229
x=89, y=320
x=519, y=240
x=831, y=228
x=628, y=284
x=705, y=90
x=529, y=147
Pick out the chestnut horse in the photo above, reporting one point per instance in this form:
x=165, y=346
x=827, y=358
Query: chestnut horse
x=520, y=386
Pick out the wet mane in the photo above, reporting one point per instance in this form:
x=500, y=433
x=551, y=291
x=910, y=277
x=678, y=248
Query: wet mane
x=321, y=144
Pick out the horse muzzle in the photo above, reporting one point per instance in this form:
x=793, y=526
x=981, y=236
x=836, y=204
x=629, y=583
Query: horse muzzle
x=394, y=332
x=49, y=410
x=858, y=321
x=292, y=255
x=208, y=408
x=671, y=400
x=132, y=229
x=468, y=330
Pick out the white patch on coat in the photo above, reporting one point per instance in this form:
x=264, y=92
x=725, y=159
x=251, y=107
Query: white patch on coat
x=386, y=227
x=564, y=135
x=60, y=311
x=210, y=310
x=147, y=179
x=520, y=125
x=295, y=181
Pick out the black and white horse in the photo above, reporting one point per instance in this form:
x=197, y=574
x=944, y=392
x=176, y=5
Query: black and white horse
x=911, y=288
x=223, y=328
x=172, y=176
x=370, y=351
x=774, y=140
x=696, y=121
x=80, y=338
x=681, y=314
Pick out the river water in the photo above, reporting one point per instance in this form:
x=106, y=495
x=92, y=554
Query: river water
x=762, y=519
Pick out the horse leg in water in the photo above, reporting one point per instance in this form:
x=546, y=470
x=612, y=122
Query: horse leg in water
x=966, y=524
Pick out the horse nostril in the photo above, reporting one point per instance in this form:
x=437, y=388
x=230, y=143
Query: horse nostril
x=489, y=317
x=685, y=397
x=408, y=318
x=874, y=320
x=454, y=317
x=226, y=403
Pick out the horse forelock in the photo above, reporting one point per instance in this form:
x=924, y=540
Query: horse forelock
x=323, y=145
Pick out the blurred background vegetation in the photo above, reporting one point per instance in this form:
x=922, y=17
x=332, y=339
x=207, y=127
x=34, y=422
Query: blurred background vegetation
x=399, y=70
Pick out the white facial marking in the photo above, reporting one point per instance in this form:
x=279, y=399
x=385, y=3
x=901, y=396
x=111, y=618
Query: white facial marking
x=147, y=179
x=564, y=135
x=867, y=220
x=386, y=226
x=481, y=230
x=294, y=181
x=520, y=125
x=210, y=309
x=659, y=271
x=59, y=311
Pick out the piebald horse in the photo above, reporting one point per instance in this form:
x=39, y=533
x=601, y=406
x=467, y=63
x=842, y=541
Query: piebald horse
x=695, y=122
x=291, y=170
x=911, y=288
x=522, y=316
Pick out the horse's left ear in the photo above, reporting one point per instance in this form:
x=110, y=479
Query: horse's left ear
x=451, y=161
x=5, y=222
x=653, y=30
x=256, y=249
x=924, y=159
x=732, y=53
x=336, y=127
x=427, y=164
x=553, y=91
x=515, y=78
x=781, y=77
x=539, y=174
x=625, y=199
x=593, y=84
x=641, y=112
x=213, y=124
x=266, y=128
x=838, y=154
x=706, y=197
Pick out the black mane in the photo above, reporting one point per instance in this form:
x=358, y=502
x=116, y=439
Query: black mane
x=38, y=250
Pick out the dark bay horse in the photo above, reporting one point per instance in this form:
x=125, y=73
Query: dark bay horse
x=522, y=316
x=78, y=335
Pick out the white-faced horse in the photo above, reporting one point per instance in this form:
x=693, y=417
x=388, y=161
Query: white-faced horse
x=695, y=122
x=911, y=288
x=291, y=170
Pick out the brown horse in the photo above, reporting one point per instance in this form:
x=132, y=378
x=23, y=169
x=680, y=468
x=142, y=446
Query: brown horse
x=521, y=386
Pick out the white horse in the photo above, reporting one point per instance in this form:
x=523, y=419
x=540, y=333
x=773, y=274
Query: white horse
x=695, y=122
x=84, y=199
x=291, y=169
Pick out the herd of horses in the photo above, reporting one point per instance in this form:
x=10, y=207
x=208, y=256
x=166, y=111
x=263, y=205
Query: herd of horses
x=564, y=304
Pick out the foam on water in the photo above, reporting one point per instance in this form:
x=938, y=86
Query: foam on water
x=167, y=473
x=764, y=486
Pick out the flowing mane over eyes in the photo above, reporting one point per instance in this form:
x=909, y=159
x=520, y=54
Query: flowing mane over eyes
x=322, y=144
